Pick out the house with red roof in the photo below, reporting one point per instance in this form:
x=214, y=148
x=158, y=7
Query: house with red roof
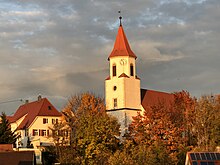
x=123, y=94
x=32, y=121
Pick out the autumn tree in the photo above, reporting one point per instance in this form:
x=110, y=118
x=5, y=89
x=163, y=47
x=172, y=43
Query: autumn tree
x=6, y=135
x=140, y=154
x=61, y=138
x=93, y=135
x=208, y=123
x=184, y=115
x=169, y=124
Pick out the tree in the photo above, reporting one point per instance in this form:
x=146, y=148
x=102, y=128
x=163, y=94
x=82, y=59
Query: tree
x=6, y=135
x=208, y=123
x=93, y=135
x=168, y=125
x=184, y=116
x=61, y=138
x=156, y=131
x=140, y=154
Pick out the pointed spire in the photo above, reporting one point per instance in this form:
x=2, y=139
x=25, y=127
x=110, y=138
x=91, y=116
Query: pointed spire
x=121, y=47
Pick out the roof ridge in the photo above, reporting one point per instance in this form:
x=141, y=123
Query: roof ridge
x=155, y=91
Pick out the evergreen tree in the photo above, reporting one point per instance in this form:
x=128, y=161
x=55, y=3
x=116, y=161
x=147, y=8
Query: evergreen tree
x=6, y=135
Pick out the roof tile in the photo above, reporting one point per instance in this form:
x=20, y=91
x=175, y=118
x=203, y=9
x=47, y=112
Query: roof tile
x=150, y=98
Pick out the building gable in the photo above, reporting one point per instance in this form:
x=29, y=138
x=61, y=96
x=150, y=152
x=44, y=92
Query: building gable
x=42, y=107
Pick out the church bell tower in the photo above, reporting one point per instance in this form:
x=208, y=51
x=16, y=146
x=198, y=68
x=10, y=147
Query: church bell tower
x=122, y=87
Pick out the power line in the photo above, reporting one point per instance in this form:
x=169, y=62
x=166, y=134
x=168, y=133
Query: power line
x=10, y=101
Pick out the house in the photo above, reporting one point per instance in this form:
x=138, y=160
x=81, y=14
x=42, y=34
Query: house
x=123, y=94
x=32, y=121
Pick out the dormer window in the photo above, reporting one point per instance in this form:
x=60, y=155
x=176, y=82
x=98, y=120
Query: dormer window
x=114, y=70
x=49, y=107
x=131, y=70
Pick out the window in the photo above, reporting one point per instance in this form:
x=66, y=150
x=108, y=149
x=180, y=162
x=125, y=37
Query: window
x=114, y=70
x=45, y=120
x=131, y=70
x=54, y=121
x=35, y=132
x=44, y=133
x=49, y=107
x=115, y=103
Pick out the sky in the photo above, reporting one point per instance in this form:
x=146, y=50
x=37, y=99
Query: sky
x=59, y=49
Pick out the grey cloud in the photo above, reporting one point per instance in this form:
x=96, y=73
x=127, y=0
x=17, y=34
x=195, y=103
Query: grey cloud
x=60, y=48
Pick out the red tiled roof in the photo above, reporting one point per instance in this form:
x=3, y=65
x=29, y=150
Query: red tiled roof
x=121, y=47
x=9, y=118
x=150, y=98
x=123, y=75
x=37, y=108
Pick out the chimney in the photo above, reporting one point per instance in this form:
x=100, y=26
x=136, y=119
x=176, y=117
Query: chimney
x=39, y=98
x=26, y=101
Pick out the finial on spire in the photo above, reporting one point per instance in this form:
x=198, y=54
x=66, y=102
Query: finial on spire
x=120, y=17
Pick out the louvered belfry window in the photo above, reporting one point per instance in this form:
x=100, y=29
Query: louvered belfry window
x=114, y=70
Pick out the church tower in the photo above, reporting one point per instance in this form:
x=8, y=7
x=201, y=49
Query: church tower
x=122, y=87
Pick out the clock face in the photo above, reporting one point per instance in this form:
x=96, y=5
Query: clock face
x=123, y=62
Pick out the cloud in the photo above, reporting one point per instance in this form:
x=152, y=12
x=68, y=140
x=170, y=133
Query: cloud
x=60, y=48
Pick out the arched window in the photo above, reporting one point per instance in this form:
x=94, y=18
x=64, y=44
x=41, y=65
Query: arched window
x=114, y=70
x=131, y=70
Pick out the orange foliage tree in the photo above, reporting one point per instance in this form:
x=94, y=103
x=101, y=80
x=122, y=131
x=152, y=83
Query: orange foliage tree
x=168, y=124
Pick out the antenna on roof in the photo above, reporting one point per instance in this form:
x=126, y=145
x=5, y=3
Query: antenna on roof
x=120, y=17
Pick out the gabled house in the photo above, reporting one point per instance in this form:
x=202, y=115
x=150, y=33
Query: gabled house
x=32, y=122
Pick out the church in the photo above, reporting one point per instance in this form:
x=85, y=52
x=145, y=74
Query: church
x=123, y=95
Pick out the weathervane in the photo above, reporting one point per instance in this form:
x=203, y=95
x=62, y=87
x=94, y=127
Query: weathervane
x=120, y=17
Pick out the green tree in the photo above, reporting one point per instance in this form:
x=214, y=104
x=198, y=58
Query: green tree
x=141, y=154
x=93, y=134
x=6, y=135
